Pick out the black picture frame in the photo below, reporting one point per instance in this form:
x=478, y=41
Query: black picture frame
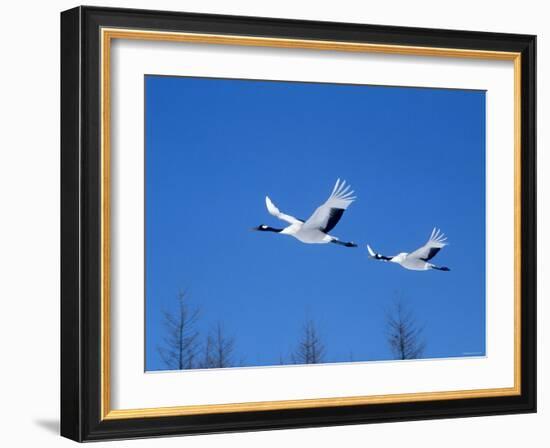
x=81, y=224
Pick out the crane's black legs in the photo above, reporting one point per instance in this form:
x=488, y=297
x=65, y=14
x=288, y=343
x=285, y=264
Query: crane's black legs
x=342, y=243
x=441, y=268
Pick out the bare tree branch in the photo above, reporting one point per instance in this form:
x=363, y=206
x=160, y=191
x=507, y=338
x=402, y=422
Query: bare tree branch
x=404, y=334
x=310, y=349
x=181, y=341
x=218, y=349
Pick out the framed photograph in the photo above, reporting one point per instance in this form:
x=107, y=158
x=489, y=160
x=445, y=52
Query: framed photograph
x=273, y=223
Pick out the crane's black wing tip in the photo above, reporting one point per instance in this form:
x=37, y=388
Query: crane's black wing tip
x=432, y=253
x=334, y=217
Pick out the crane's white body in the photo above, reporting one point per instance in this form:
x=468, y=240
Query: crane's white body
x=308, y=236
x=419, y=259
x=315, y=229
x=411, y=263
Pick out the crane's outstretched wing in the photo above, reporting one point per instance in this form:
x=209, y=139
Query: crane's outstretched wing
x=273, y=210
x=436, y=241
x=327, y=215
x=376, y=255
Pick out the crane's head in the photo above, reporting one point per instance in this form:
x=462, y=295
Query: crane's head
x=264, y=228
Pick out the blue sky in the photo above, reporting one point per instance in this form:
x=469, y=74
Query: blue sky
x=415, y=158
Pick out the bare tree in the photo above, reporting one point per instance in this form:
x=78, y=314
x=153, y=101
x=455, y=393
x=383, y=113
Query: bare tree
x=181, y=341
x=218, y=349
x=310, y=349
x=404, y=334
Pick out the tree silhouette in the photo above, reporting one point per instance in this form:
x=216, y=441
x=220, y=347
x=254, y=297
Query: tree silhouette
x=181, y=342
x=218, y=349
x=404, y=335
x=310, y=349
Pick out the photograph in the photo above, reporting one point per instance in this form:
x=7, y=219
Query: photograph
x=293, y=223
x=274, y=223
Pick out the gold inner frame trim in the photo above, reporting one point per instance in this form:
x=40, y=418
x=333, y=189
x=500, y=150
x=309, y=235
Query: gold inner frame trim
x=107, y=35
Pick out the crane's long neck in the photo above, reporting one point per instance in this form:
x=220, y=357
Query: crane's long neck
x=271, y=229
